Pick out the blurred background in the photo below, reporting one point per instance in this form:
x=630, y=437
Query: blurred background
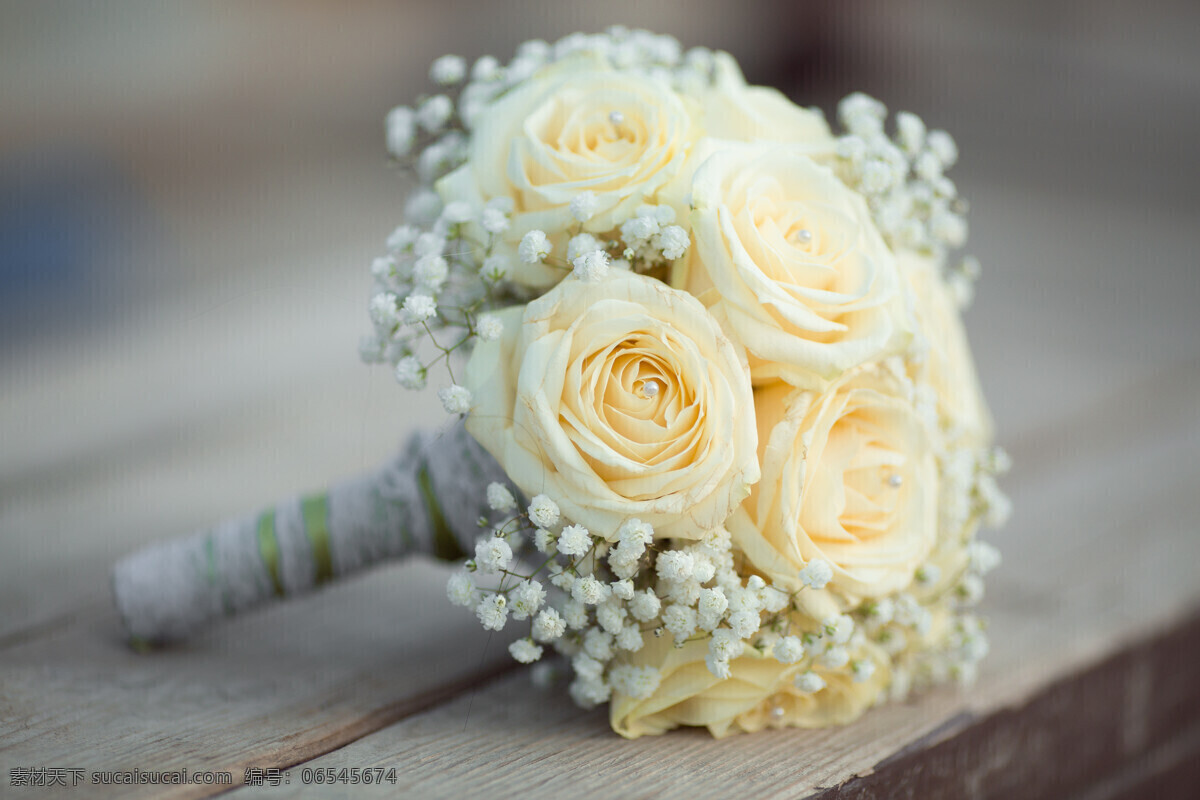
x=191, y=194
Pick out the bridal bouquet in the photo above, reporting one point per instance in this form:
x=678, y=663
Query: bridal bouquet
x=714, y=348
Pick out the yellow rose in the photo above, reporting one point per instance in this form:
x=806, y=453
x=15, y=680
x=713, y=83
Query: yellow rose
x=849, y=476
x=577, y=125
x=619, y=399
x=790, y=261
x=759, y=693
x=948, y=367
x=732, y=109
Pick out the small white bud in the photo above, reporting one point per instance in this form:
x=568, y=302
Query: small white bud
x=525, y=651
x=534, y=247
x=489, y=327
x=584, y=206
x=499, y=498
x=434, y=113
x=809, y=682
x=493, y=221
x=410, y=373
x=401, y=129
x=420, y=307
x=816, y=574
x=455, y=399
x=591, y=267
x=543, y=511
x=448, y=70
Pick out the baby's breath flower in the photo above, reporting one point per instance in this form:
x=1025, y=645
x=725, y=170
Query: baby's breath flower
x=589, y=591
x=774, y=600
x=543, y=511
x=548, y=625
x=718, y=667
x=674, y=565
x=744, y=623
x=544, y=541
x=460, y=589
x=526, y=599
x=499, y=498
x=639, y=230
x=809, y=682
x=622, y=590
x=942, y=145
x=434, y=112
x=448, y=70
x=492, y=554
x=816, y=574
x=861, y=670
x=645, y=605
x=611, y=616
x=839, y=628
x=637, y=682
x=402, y=238
x=455, y=399
x=584, y=206
x=575, y=614
x=410, y=373
x=401, y=126
x=970, y=589
x=725, y=644
x=680, y=620
x=927, y=574
x=982, y=557
x=525, y=651
x=630, y=638
x=574, y=540
x=383, y=268
x=489, y=328
x=581, y=244
x=835, y=657
x=598, y=644
x=789, y=650
x=420, y=307
x=591, y=267
x=383, y=309
x=534, y=247
x=672, y=241
x=711, y=607
x=492, y=611
x=430, y=272
x=590, y=692
x=493, y=221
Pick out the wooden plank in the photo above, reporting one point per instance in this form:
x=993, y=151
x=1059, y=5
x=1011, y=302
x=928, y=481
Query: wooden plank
x=267, y=689
x=1101, y=552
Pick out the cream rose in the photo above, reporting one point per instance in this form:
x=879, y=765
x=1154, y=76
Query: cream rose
x=759, y=693
x=577, y=125
x=948, y=367
x=619, y=399
x=849, y=476
x=789, y=259
x=732, y=109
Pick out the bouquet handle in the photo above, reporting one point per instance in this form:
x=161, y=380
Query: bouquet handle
x=426, y=500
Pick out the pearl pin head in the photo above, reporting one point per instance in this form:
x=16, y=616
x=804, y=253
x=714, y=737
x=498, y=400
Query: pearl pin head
x=650, y=388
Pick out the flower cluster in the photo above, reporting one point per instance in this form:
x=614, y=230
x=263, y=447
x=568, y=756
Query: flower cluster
x=718, y=348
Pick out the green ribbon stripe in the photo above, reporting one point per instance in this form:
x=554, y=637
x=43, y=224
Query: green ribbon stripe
x=445, y=546
x=315, y=511
x=268, y=548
